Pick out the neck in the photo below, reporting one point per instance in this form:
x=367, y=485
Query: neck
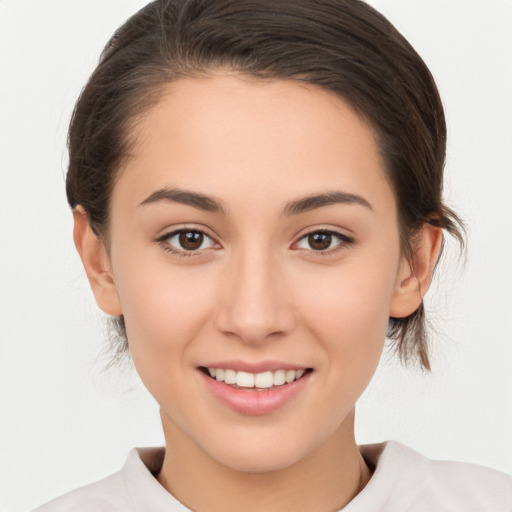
x=327, y=479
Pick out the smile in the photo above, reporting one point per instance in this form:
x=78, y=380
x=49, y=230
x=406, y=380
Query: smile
x=255, y=393
x=263, y=380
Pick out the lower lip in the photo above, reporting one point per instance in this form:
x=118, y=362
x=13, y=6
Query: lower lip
x=252, y=402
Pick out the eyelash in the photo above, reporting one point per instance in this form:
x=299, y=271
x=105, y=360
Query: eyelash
x=164, y=242
x=343, y=242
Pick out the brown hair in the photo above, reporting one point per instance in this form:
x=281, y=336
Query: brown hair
x=344, y=46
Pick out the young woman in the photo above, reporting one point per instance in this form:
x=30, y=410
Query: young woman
x=257, y=196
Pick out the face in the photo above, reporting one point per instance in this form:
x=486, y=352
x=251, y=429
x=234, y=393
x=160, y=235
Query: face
x=254, y=236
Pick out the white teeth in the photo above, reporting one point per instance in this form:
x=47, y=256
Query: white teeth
x=290, y=376
x=279, y=377
x=230, y=376
x=263, y=380
x=245, y=379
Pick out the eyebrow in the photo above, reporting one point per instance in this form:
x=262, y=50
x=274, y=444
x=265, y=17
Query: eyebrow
x=194, y=199
x=319, y=200
x=209, y=204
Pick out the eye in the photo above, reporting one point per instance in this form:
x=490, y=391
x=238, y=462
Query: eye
x=186, y=241
x=323, y=241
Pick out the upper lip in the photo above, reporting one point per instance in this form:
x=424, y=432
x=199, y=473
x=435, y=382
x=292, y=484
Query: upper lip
x=255, y=367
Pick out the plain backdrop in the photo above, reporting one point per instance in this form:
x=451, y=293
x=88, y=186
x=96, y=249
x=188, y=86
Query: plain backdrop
x=65, y=421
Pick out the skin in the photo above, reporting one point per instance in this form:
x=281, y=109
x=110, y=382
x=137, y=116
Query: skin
x=256, y=290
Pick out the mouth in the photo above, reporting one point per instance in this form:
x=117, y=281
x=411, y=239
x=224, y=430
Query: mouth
x=263, y=381
x=256, y=389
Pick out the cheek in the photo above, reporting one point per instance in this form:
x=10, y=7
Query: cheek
x=355, y=299
x=164, y=308
x=348, y=313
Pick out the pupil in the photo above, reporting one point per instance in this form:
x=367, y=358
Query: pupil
x=320, y=241
x=191, y=240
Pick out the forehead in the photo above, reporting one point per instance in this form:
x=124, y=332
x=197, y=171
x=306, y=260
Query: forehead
x=238, y=137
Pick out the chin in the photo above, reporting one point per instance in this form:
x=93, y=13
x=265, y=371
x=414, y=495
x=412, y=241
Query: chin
x=260, y=453
x=259, y=460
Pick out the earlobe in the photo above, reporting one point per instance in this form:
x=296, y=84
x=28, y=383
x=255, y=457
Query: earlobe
x=96, y=263
x=415, y=274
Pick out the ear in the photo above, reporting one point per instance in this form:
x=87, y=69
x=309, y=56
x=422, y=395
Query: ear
x=415, y=275
x=96, y=262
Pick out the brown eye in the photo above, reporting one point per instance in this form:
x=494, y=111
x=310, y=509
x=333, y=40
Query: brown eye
x=187, y=241
x=191, y=240
x=319, y=241
x=324, y=242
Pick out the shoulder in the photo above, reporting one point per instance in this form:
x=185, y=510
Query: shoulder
x=107, y=495
x=405, y=480
x=132, y=488
x=458, y=485
x=471, y=484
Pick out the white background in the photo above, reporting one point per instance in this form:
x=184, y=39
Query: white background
x=65, y=422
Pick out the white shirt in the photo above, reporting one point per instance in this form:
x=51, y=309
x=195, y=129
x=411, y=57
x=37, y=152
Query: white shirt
x=403, y=481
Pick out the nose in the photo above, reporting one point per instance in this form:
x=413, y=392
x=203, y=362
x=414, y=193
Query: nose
x=254, y=304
